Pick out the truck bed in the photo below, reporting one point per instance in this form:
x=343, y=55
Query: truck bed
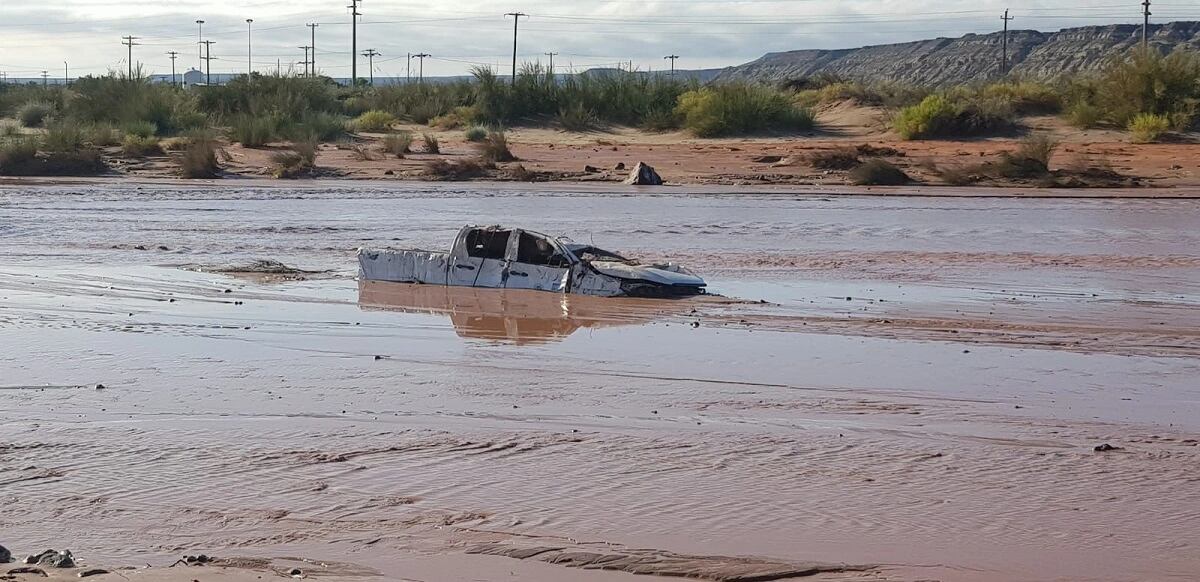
x=403, y=266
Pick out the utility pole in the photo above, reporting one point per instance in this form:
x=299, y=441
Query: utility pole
x=1004, y=44
x=672, y=58
x=1146, y=25
x=408, y=70
x=45, y=76
x=66, y=74
x=421, y=56
x=208, y=60
x=516, y=19
x=312, y=26
x=306, y=62
x=128, y=41
x=354, y=14
x=249, y=60
x=371, y=54
x=200, y=41
x=174, y=55
x=551, y=55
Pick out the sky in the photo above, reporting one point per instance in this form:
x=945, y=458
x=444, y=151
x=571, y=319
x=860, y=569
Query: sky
x=37, y=35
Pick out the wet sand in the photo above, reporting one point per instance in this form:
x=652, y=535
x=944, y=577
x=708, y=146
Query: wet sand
x=918, y=398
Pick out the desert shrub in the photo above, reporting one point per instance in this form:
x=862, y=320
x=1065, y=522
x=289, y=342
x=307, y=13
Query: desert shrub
x=660, y=120
x=361, y=153
x=432, y=146
x=18, y=156
x=34, y=113
x=9, y=129
x=940, y=116
x=1022, y=97
x=63, y=137
x=199, y=159
x=122, y=99
x=577, y=117
x=1148, y=127
x=494, y=148
x=447, y=170
x=877, y=172
x=458, y=117
x=1084, y=115
x=398, y=143
x=253, y=131
x=1149, y=83
x=374, y=121
x=740, y=109
x=295, y=162
x=307, y=150
x=476, y=134
x=102, y=134
x=140, y=128
x=140, y=147
x=839, y=159
x=319, y=126
x=1038, y=147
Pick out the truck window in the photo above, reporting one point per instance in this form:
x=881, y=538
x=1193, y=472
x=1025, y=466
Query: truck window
x=487, y=244
x=535, y=250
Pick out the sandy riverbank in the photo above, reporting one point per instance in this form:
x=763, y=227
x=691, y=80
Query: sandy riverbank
x=1087, y=159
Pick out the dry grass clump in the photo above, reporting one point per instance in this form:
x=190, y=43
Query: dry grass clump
x=494, y=148
x=877, y=172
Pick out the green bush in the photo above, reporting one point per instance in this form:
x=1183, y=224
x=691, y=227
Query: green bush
x=1084, y=115
x=140, y=128
x=253, y=131
x=18, y=156
x=494, y=148
x=63, y=137
x=432, y=145
x=740, y=109
x=139, y=147
x=577, y=117
x=199, y=159
x=1149, y=127
x=34, y=113
x=877, y=172
x=1022, y=97
x=476, y=134
x=319, y=126
x=1149, y=83
x=939, y=116
x=9, y=129
x=374, y=121
x=398, y=143
x=102, y=134
x=660, y=120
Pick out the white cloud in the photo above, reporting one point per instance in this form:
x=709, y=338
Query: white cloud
x=706, y=33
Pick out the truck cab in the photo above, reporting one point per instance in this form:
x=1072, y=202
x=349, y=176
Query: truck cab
x=509, y=258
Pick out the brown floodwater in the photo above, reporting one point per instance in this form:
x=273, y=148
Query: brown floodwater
x=914, y=386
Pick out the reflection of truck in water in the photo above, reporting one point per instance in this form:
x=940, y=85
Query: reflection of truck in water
x=503, y=258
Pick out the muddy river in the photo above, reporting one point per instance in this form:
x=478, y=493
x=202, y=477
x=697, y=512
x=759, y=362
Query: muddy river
x=879, y=388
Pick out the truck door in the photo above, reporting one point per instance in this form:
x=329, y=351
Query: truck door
x=536, y=262
x=478, y=259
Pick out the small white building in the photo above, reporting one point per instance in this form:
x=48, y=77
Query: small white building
x=193, y=77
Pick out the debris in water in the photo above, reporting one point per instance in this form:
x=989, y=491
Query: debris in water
x=1104, y=448
x=93, y=572
x=5, y=555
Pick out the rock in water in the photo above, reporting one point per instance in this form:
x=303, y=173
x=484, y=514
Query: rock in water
x=5, y=555
x=644, y=175
x=53, y=559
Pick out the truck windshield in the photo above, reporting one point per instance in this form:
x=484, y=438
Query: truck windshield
x=487, y=244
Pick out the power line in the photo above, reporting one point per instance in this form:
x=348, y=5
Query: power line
x=174, y=55
x=208, y=60
x=516, y=19
x=371, y=54
x=354, y=14
x=1146, y=25
x=551, y=55
x=1004, y=44
x=421, y=57
x=312, y=26
x=128, y=41
x=672, y=58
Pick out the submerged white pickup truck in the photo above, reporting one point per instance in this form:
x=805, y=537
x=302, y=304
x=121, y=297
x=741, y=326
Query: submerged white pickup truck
x=509, y=258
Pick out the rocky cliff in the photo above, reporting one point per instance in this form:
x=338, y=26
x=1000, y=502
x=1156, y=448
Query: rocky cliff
x=974, y=57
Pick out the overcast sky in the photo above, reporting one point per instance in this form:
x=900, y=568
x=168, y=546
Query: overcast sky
x=38, y=35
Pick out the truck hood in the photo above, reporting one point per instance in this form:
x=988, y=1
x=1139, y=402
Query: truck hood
x=672, y=275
